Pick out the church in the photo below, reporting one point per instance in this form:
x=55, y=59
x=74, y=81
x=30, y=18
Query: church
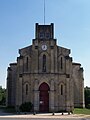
x=45, y=75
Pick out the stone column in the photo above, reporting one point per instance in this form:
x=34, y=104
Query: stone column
x=51, y=97
x=52, y=61
x=36, y=96
x=51, y=101
x=68, y=94
x=81, y=88
x=67, y=65
x=56, y=60
x=36, y=101
x=36, y=57
x=20, y=91
x=69, y=85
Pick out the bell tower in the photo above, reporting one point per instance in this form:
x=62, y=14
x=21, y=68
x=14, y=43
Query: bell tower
x=44, y=45
x=44, y=32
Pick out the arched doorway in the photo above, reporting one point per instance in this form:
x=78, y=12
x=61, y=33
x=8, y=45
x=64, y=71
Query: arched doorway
x=44, y=97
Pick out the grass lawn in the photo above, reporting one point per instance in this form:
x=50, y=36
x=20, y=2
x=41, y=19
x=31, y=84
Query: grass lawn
x=81, y=111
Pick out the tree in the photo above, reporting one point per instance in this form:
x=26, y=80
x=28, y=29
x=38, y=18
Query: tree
x=87, y=97
x=2, y=96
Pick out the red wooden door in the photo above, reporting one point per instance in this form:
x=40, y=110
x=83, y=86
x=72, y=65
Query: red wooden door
x=44, y=97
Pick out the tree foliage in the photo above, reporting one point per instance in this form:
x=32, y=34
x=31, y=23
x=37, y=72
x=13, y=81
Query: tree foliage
x=87, y=97
x=2, y=96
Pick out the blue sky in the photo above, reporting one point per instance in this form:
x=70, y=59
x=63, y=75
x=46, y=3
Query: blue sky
x=17, y=29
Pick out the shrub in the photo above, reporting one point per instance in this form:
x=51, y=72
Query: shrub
x=26, y=107
x=88, y=106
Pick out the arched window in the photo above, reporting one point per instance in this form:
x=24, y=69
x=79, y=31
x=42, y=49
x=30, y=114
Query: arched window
x=44, y=63
x=27, y=64
x=61, y=89
x=26, y=89
x=61, y=63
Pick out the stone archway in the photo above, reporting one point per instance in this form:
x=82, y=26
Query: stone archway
x=44, y=97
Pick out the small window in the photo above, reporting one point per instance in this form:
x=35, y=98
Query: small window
x=44, y=63
x=41, y=35
x=26, y=89
x=61, y=63
x=27, y=64
x=68, y=75
x=47, y=35
x=52, y=47
x=36, y=47
x=61, y=89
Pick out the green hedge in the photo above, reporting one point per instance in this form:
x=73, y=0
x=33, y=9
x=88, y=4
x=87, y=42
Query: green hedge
x=26, y=107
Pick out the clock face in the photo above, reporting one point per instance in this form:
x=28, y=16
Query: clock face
x=44, y=47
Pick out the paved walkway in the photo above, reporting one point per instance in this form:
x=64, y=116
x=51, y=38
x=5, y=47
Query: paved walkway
x=46, y=115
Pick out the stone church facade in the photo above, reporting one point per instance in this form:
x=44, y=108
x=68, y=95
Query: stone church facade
x=45, y=75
